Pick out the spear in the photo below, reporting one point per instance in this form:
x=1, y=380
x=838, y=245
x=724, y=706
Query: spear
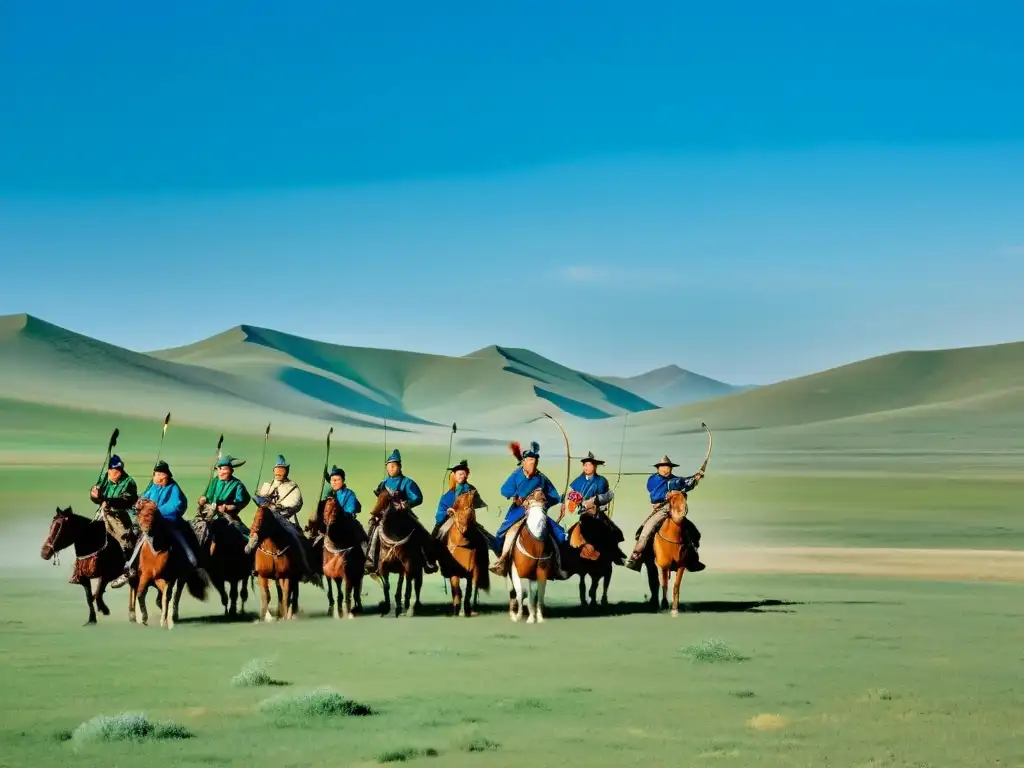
x=266, y=439
x=163, y=434
x=110, y=448
x=385, y=438
x=213, y=466
x=451, y=437
x=327, y=460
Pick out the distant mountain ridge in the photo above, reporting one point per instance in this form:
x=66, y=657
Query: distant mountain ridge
x=249, y=369
x=671, y=385
x=247, y=375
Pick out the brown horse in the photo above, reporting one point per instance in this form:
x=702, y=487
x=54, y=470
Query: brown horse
x=465, y=556
x=668, y=552
x=593, y=548
x=400, y=552
x=222, y=549
x=98, y=558
x=163, y=565
x=343, y=559
x=275, y=561
x=532, y=560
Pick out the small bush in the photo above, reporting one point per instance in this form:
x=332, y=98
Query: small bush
x=878, y=694
x=743, y=694
x=409, y=753
x=482, y=745
x=129, y=726
x=713, y=652
x=254, y=674
x=322, y=702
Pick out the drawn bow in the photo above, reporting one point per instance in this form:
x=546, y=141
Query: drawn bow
x=568, y=461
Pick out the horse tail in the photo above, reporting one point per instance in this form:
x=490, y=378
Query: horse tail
x=198, y=582
x=483, y=572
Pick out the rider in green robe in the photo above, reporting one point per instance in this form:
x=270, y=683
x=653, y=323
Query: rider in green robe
x=226, y=494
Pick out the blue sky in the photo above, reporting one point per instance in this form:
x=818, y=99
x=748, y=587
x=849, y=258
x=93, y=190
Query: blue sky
x=747, y=192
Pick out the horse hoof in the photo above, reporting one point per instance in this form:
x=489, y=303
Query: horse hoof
x=131, y=618
x=675, y=611
x=532, y=619
x=514, y=616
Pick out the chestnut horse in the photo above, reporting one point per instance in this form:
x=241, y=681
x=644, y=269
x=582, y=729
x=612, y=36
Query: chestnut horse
x=532, y=560
x=593, y=548
x=668, y=552
x=465, y=556
x=164, y=566
x=98, y=558
x=227, y=563
x=400, y=552
x=343, y=559
x=276, y=561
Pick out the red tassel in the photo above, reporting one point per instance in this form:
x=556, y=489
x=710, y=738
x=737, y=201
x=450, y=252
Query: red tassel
x=517, y=450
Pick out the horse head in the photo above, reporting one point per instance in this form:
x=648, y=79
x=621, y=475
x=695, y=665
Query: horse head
x=536, y=513
x=261, y=528
x=677, y=506
x=146, y=515
x=385, y=504
x=465, y=510
x=59, y=535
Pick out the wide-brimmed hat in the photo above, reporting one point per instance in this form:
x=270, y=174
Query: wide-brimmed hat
x=463, y=464
x=590, y=457
x=230, y=461
x=666, y=462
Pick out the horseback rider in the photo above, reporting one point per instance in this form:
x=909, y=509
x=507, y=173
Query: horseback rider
x=521, y=483
x=348, y=503
x=458, y=484
x=405, y=494
x=593, y=494
x=171, y=503
x=658, y=486
x=226, y=495
x=116, y=495
x=283, y=497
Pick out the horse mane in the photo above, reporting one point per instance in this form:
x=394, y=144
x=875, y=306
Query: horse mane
x=451, y=482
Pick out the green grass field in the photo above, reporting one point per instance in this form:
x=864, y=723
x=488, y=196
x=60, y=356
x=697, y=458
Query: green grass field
x=906, y=653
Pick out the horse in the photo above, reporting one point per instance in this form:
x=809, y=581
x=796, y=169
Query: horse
x=222, y=548
x=343, y=559
x=162, y=565
x=98, y=558
x=272, y=542
x=532, y=560
x=593, y=547
x=465, y=556
x=668, y=552
x=400, y=552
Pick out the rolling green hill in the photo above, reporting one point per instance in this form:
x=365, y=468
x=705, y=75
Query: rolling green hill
x=985, y=381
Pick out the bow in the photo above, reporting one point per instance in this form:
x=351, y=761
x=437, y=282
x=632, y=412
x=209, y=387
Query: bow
x=704, y=465
x=568, y=459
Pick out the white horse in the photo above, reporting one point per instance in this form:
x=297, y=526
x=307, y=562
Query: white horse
x=531, y=562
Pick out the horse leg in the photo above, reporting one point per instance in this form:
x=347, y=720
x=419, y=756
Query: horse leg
x=219, y=585
x=243, y=593
x=418, y=585
x=467, y=598
x=265, y=599
x=454, y=581
x=607, y=581
x=140, y=590
x=652, y=585
x=398, y=593
x=131, y=606
x=513, y=602
x=664, y=587
x=594, y=580
x=89, y=601
x=284, y=606
x=100, y=585
x=410, y=608
x=538, y=607
x=178, y=589
x=385, y=583
x=583, y=590
x=233, y=610
x=334, y=608
x=516, y=605
x=165, y=602
x=675, y=590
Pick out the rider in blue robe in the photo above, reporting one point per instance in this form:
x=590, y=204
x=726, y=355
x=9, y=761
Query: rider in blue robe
x=658, y=486
x=521, y=483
